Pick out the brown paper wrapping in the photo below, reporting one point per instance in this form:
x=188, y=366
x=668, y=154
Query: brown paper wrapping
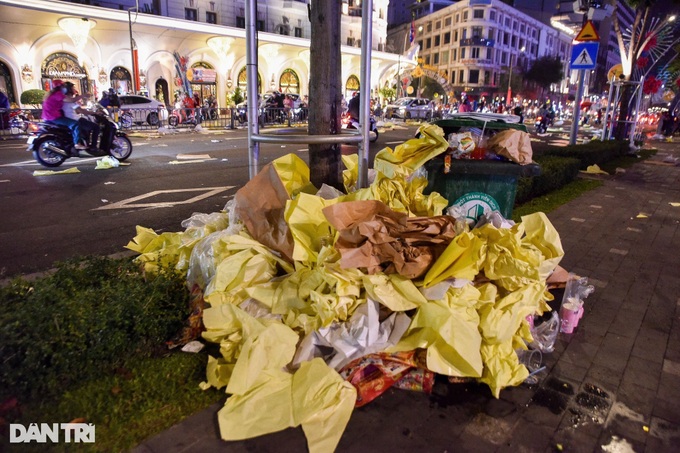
x=374, y=237
x=261, y=204
x=513, y=144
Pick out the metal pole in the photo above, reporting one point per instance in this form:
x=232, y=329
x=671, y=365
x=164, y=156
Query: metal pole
x=365, y=89
x=251, y=76
x=606, y=113
x=617, y=99
x=577, y=107
x=507, y=99
x=132, y=53
x=637, y=112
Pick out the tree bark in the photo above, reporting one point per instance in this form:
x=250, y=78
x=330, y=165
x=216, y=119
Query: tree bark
x=325, y=91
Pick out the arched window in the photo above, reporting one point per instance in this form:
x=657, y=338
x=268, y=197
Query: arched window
x=289, y=82
x=351, y=86
x=121, y=80
x=6, y=83
x=64, y=66
x=203, y=79
x=243, y=84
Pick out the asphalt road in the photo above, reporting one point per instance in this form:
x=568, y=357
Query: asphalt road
x=45, y=219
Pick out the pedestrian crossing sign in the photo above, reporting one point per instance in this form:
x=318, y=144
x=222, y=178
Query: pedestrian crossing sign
x=584, y=55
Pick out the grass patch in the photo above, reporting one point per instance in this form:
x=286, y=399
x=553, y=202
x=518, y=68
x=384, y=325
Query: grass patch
x=555, y=199
x=143, y=397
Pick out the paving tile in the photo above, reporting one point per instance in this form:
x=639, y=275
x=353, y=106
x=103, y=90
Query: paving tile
x=611, y=440
x=643, y=373
x=604, y=377
x=637, y=398
x=570, y=439
x=663, y=436
x=528, y=437
x=627, y=322
x=650, y=344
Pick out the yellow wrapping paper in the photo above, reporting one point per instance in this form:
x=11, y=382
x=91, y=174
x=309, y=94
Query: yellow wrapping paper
x=309, y=226
x=412, y=154
x=501, y=367
x=448, y=330
x=315, y=397
x=463, y=258
x=542, y=235
x=394, y=291
x=155, y=249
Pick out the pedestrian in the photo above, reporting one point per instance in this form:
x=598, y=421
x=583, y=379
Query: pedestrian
x=288, y=105
x=519, y=112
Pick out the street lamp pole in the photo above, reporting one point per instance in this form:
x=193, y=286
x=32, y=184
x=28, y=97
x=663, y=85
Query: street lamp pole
x=509, y=97
x=133, y=52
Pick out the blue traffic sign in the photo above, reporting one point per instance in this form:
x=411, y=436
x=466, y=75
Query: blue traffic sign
x=584, y=55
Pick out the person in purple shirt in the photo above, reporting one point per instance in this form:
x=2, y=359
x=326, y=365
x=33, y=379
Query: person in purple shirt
x=53, y=110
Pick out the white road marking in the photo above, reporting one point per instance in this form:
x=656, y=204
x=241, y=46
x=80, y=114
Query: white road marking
x=130, y=202
x=395, y=143
x=34, y=163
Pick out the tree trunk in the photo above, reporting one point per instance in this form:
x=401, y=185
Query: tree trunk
x=325, y=91
x=622, y=127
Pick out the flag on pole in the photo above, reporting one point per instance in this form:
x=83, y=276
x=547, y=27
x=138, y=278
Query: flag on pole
x=412, y=34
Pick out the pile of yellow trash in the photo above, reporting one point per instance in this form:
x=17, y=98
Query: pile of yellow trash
x=314, y=295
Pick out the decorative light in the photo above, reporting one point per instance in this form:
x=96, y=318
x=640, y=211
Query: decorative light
x=102, y=76
x=230, y=83
x=142, y=78
x=78, y=29
x=272, y=84
x=220, y=45
x=27, y=73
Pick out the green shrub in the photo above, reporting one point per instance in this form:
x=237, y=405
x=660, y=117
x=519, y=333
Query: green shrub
x=555, y=173
x=82, y=321
x=33, y=97
x=594, y=152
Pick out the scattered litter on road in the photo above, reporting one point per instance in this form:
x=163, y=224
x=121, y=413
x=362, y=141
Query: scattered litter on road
x=193, y=156
x=107, y=162
x=215, y=141
x=53, y=172
x=109, y=182
x=642, y=216
x=594, y=169
x=675, y=204
x=104, y=200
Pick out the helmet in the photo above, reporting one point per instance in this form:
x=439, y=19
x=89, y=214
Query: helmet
x=68, y=85
x=112, y=91
x=57, y=83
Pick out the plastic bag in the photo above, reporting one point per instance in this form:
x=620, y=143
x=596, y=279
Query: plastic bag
x=533, y=360
x=545, y=334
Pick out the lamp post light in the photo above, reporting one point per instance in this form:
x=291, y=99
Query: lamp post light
x=133, y=51
x=509, y=97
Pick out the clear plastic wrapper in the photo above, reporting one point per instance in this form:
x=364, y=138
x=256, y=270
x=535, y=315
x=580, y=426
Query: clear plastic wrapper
x=545, y=334
x=575, y=293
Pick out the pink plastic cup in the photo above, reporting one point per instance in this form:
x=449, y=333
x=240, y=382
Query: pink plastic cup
x=569, y=316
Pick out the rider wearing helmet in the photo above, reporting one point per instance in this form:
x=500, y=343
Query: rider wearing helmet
x=53, y=110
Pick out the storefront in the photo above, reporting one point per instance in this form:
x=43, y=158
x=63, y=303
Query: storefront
x=6, y=84
x=203, y=80
x=65, y=67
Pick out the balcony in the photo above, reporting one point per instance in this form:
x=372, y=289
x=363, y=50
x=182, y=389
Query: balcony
x=477, y=41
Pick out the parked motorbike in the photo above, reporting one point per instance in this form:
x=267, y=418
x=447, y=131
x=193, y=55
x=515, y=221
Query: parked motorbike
x=18, y=119
x=352, y=123
x=52, y=144
x=209, y=110
x=179, y=116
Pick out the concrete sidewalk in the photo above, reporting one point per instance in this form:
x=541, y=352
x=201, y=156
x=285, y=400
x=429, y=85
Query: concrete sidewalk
x=612, y=385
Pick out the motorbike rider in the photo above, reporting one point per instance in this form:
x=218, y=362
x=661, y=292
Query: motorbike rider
x=75, y=111
x=53, y=110
x=353, y=108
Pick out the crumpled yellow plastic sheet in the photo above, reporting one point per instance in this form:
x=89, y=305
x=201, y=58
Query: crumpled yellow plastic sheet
x=468, y=331
x=412, y=154
x=315, y=397
x=448, y=329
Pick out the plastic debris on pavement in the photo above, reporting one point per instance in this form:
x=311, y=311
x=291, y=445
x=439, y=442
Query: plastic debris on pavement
x=56, y=172
x=320, y=301
x=107, y=162
x=594, y=169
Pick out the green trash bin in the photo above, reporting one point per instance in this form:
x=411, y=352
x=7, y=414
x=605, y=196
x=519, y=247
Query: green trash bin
x=478, y=186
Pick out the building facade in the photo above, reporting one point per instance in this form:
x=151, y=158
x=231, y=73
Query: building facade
x=475, y=42
x=171, y=45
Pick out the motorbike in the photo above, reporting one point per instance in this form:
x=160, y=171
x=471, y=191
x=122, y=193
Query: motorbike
x=541, y=124
x=18, y=119
x=179, y=116
x=209, y=110
x=352, y=123
x=51, y=144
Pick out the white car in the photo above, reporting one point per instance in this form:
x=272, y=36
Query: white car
x=407, y=108
x=143, y=109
